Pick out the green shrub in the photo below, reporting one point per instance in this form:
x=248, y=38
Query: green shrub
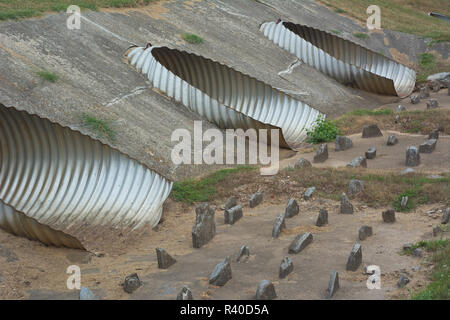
x=323, y=131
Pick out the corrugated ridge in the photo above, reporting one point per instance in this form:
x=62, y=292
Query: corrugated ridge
x=343, y=60
x=66, y=180
x=19, y=224
x=226, y=97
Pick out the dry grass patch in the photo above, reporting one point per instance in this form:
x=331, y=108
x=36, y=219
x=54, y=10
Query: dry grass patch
x=380, y=188
x=409, y=16
x=422, y=122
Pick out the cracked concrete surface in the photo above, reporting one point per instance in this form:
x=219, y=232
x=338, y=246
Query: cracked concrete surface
x=94, y=78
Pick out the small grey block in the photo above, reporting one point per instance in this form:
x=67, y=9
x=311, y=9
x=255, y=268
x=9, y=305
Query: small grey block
x=355, y=258
x=286, y=267
x=333, y=285
x=185, y=294
x=371, y=153
x=389, y=216
x=265, y=291
x=322, y=219
x=364, y=232
x=371, y=131
x=308, y=193
x=278, y=226
x=256, y=199
x=221, y=273
x=234, y=214
x=300, y=242
x=131, y=283
x=292, y=208
x=321, y=153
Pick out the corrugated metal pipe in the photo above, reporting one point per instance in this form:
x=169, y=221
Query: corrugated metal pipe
x=224, y=96
x=343, y=60
x=55, y=181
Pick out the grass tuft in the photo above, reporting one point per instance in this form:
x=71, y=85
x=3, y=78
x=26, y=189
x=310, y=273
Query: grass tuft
x=191, y=38
x=100, y=127
x=200, y=190
x=47, y=75
x=361, y=35
x=439, y=288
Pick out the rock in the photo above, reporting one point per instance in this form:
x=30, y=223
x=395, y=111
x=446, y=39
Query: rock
x=265, y=291
x=435, y=176
x=286, y=267
x=371, y=153
x=438, y=76
x=87, y=294
x=204, y=228
x=333, y=286
x=278, y=226
x=346, y=206
x=364, y=232
x=436, y=230
x=291, y=208
x=343, y=143
x=446, y=216
x=230, y=203
x=400, y=108
x=221, y=273
x=412, y=157
x=417, y=252
x=302, y=163
x=322, y=219
x=432, y=104
x=185, y=294
x=415, y=99
x=358, y=162
x=404, y=202
x=244, y=254
x=416, y=268
x=355, y=258
x=407, y=171
x=131, y=283
x=164, y=259
x=424, y=92
x=234, y=214
x=355, y=186
x=256, y=199
x=428, y=146
x=407, y=246
x=389, y=216
x=397, y=118
x=403, y=281
x=308, y=193
x=371, y=131
x=434, y=134
x=300, y=242
x=321, y=153
x=392, y=140
x=435, y=86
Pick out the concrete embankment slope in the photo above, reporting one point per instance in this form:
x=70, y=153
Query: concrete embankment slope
x=95, y=78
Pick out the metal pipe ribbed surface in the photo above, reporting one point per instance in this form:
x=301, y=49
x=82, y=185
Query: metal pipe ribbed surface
x=343, y=60
x=226, y=97
x=54, y=178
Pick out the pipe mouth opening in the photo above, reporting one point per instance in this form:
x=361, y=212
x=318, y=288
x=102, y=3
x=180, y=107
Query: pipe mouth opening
x=342, y=59
x=59, y=186
x=225, y=96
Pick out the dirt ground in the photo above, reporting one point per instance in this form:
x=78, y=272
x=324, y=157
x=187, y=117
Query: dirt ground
x=31, y=270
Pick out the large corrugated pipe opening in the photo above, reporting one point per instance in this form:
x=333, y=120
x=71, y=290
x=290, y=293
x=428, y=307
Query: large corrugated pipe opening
x=57, y=184
x=226, y=97
x=343, y=60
